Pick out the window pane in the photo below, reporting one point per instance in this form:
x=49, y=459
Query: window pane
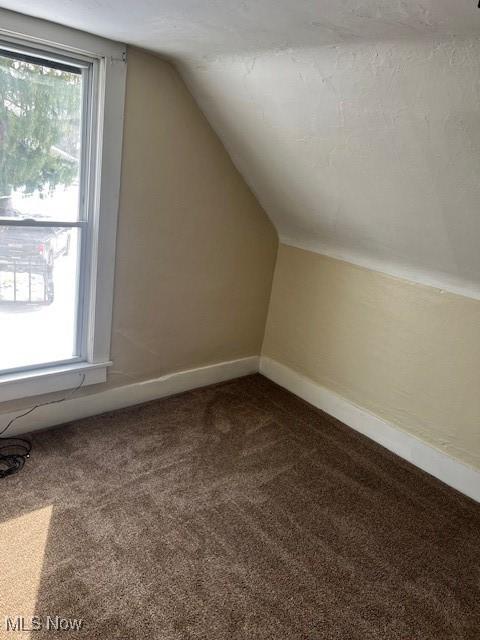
x=40, y=139
x=39, y=275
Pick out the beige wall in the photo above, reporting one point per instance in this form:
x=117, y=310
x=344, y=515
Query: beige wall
x=195, y=252
x=408, y=353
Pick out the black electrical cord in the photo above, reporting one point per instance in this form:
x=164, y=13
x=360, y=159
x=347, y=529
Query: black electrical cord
x=13, y=455
x=15, y=451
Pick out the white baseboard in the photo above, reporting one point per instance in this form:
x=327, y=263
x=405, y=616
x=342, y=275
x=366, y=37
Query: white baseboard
x=456, y=474
x=128, y=395
x=451, y=471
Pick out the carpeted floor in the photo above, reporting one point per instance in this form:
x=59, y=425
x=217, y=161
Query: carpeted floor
x=235, y=511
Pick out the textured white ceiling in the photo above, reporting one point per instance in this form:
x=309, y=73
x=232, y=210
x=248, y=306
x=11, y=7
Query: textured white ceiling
x=197, y=28
x=356, y=122
x=367, y=152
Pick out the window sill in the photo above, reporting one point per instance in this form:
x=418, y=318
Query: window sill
x=36, y=382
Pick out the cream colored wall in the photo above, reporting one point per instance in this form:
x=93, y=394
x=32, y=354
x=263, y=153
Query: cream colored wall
x=195, y=251
x=408, y=353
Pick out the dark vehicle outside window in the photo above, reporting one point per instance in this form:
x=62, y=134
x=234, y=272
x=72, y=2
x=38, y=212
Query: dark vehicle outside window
x=32, y=251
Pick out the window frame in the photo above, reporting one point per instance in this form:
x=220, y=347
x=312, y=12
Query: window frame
x=100, y=187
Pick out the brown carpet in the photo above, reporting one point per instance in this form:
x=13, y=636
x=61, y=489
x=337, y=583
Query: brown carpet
x=235, y=511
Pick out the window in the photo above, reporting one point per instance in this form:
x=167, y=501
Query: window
x=42, y=217
x=61, y=111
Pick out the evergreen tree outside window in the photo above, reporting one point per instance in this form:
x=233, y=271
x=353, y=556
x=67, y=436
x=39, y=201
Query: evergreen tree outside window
x=40, y=128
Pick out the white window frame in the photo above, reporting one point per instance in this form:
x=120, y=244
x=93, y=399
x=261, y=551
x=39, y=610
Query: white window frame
x=103, y=166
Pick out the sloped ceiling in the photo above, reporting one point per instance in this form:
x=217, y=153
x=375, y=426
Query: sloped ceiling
x=356, y=122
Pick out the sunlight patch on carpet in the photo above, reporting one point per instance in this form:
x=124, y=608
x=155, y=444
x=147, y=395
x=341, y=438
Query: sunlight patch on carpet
x=23, y=544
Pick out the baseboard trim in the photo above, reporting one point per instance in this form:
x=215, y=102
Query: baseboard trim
x=128, y=395
x=456, y=474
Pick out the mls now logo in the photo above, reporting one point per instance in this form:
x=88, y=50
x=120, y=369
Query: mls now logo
x=49, y=623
